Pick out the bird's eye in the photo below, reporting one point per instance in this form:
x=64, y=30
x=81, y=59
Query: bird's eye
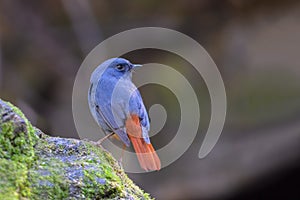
x=120, y=67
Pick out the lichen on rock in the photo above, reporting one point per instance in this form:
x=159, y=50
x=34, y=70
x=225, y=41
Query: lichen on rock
x=34, y=165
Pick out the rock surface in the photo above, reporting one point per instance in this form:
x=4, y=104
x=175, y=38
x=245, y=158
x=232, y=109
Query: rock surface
x=36, y=166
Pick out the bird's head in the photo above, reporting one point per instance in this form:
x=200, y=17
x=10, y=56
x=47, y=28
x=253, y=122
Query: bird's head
x=114, y=68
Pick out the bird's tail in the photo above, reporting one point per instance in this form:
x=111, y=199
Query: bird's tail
x=146, y=154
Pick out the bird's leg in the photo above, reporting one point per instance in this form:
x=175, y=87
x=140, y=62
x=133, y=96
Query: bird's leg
x=99, y=142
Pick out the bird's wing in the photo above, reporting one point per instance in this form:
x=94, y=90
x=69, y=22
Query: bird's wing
x=137, y=107
x=112, y=119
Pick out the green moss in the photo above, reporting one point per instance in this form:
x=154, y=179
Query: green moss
x=30, y=129
x=17, y=138
x=13, y=180
x=93, y=189
x=48, y=181
x=116, y=180
x=16, y=154
x=44, y=167
x=47, y=176
x=113, y=185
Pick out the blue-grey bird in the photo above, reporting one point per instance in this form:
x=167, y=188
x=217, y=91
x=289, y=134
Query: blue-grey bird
x=117, y=106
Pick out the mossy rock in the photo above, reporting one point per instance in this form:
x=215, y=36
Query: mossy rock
x=36, y=166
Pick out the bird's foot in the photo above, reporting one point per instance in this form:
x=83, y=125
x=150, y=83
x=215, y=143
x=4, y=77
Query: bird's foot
x=92, y=142
x=86, y=140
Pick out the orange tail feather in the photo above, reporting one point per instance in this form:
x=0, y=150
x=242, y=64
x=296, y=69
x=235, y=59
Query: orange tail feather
x=146, y=154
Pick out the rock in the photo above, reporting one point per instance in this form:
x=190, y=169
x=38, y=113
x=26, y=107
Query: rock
x=34, y=165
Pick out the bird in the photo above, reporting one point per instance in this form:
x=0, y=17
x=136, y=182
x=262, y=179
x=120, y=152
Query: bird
x=117, y=106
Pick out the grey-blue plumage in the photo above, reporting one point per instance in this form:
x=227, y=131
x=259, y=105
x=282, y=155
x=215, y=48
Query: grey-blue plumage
x=118, y=108
x=111, y=111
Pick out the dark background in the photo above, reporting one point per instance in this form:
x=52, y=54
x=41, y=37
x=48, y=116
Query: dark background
x=255, y=45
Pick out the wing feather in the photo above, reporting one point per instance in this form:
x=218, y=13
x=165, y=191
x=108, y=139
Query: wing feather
x=137, y=107
x=109, y=119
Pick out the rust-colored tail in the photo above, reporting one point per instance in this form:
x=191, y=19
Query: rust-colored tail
x=146, y=154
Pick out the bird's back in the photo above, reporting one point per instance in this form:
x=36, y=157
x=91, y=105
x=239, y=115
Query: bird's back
x=109, y=102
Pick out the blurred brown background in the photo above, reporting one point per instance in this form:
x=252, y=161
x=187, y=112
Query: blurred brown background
x=254, y=43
